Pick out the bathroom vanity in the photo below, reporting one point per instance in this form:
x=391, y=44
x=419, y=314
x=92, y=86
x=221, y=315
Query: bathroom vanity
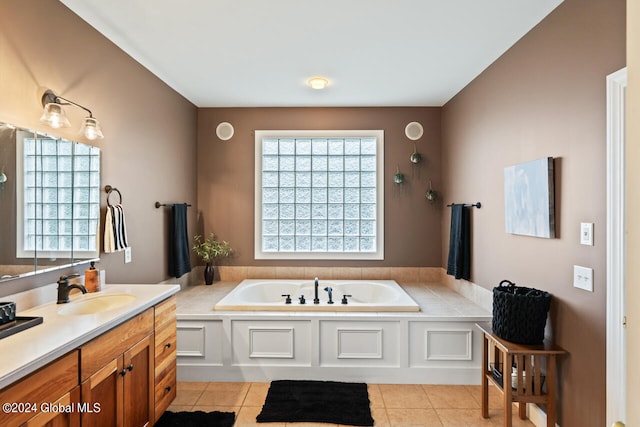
x=86, y=362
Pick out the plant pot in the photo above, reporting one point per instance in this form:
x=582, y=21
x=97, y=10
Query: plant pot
x=208, y=274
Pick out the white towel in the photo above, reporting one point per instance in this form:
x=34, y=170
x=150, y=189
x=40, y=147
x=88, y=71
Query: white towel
x=115, y=229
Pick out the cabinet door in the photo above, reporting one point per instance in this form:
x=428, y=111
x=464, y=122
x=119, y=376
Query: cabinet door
x=60, y=377
x=102, y=393
x=165, y=367
x=138, y=384
x=70, y=418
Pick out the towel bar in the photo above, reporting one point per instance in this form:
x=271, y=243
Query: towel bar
x=158, y=204
x=468, y=205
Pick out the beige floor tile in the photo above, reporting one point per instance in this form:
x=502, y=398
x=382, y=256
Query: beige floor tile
x=246, y=417
x=463, y=418
x=495, y=395
x=517, y=422
x=375, y=397
x=183, y=385
x=404, y=396
x=223, y=394
x=179, y=408
x=310, y=425
x=413, y=418
x=186, y=397
x=406, y=405
x=447, y=396
x=257, y=394
x=497, y=418
x=380, y=418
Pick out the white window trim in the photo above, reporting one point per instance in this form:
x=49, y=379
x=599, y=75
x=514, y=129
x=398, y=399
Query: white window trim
x=21, y=252
x=379, y=253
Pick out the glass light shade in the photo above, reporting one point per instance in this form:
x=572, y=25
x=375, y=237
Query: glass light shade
x=54, y=116
x=91, y=129
x=318, y=83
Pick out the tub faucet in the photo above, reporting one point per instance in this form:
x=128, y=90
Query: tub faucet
x=329, y=290
x=316, y=300
x=64, y=288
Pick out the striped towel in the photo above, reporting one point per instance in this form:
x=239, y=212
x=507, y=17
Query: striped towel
x=115, y=229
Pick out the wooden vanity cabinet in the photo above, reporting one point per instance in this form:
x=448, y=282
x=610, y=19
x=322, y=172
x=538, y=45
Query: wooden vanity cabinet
x=124, y=377
x=56, y=382
x=69, y=418
x=165, y=355
x=117, y=375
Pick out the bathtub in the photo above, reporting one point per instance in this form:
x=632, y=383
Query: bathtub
x=361, y=295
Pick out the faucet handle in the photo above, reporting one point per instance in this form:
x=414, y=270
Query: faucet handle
x=288, y=299
x=344, y=299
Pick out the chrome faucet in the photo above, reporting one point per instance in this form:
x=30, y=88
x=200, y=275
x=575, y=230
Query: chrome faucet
x=64, y=288
x=316, y=300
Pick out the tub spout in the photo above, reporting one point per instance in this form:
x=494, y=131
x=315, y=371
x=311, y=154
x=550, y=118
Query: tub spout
x=329, y=290
x=316, y=300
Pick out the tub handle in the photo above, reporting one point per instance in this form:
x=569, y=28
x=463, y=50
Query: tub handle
x=288, y=299
x=302, y=300
x=344, y=299
x=329, y=290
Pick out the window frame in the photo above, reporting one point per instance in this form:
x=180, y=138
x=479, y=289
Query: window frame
x=378, y=254
x=21, y=200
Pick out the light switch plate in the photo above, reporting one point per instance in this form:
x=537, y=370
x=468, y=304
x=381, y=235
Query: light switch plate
x=583, y=278
x=127, y=255
x=586, y=233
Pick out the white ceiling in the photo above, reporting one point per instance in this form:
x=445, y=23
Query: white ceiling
x=250, y=53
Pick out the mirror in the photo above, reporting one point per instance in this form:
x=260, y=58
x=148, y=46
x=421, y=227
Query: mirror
x=49, y=202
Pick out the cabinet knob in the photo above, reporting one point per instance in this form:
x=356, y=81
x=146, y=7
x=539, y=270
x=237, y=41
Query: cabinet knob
x=167, y=389
x=167, y=345
x=123, y=372
x=130, y=367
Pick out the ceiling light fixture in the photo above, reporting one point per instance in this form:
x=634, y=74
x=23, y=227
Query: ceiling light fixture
x=55, y=116
x=318, y=83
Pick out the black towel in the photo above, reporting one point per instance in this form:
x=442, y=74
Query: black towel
x=179, y=261
x=459, y=263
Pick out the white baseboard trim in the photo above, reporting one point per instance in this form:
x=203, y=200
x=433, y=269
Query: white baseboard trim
x=537, y=416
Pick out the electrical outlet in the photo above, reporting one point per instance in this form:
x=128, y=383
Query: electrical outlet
x=127, y=255
x=583, y=278
x=586, y=233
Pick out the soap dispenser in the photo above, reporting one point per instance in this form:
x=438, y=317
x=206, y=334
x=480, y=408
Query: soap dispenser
x=92, y=278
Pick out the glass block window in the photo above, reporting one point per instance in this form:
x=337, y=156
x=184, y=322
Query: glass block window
x=60, y=198
x=319, y=195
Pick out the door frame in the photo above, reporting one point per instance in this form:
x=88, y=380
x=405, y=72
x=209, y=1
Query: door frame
x=616, y=259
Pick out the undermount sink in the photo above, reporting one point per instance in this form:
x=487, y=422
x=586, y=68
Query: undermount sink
x=96, y=304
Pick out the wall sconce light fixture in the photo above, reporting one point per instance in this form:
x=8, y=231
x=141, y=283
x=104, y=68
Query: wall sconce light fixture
x=55, y=116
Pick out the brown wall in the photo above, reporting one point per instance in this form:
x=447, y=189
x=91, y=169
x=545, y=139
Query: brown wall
x=545, y=97
x=226, y=177
x=148, y=152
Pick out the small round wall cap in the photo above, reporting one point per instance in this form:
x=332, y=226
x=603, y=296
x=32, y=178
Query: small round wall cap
x=413, y=131
x=224, y=131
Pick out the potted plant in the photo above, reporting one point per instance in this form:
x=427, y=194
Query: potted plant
x=209, y=250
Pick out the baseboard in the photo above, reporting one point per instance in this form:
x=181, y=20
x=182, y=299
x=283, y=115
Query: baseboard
x=537, y=416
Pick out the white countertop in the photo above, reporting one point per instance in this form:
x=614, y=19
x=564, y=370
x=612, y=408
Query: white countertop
x=28, y=350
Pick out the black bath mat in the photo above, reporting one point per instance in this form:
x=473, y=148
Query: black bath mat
x=317, y=401
x=196, y=419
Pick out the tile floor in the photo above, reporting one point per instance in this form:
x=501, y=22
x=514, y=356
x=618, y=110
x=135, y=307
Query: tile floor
x=392, y=405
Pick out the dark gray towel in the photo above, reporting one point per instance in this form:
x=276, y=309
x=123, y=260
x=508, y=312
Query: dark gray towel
x=459, y=263
x=179, y=251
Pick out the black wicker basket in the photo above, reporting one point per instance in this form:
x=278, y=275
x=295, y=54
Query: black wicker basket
x=7, y=312
x=519, y=313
